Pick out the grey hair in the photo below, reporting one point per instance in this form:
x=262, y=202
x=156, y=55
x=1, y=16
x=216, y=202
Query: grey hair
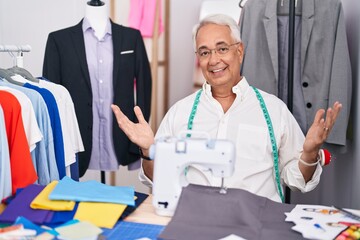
x=219, y=19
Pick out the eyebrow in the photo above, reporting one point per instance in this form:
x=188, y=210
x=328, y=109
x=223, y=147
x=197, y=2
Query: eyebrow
x=217, y=44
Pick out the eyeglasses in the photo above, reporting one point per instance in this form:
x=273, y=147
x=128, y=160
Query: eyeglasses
x=222, y=49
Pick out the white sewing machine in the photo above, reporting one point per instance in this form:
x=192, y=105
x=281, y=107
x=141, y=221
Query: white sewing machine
x=173, y=155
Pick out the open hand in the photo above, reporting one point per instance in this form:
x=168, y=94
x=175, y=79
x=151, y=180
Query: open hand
x=139, y=133
x=321, y=128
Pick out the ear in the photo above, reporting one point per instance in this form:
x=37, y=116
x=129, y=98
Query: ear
x=240, y=51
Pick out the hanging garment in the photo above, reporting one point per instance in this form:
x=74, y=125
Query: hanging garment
x=142, y=16
x=55, y=126
x=325, y=63
x=100, y=60
x=5, y=171
x=31, y=127
x=22, y=169
x=69, y=124
x=65, y=63
x=44, y=153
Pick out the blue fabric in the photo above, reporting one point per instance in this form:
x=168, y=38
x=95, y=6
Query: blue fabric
x=92, y=191
x=20, y=206
x=55, y=125
x=60, y=217
x=30, y=225
x=5, y=168
x=74, y=169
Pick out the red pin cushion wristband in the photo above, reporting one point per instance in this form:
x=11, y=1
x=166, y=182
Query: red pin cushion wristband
x=324, y=158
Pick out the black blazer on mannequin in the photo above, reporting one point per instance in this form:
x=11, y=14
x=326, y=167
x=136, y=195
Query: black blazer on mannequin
x=65, y=63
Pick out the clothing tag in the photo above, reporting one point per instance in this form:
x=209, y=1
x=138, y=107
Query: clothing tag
x=127, y=52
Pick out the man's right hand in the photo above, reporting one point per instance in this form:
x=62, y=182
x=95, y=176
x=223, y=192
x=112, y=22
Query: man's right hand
x=139, y=133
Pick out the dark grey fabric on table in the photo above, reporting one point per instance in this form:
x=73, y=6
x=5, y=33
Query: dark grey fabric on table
x=204, y=213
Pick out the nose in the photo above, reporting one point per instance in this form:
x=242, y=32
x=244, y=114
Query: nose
x=214, y=57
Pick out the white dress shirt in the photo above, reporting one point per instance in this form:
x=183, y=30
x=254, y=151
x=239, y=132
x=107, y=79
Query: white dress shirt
x=244, y=124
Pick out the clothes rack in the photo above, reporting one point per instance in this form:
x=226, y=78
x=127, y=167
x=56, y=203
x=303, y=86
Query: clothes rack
x=290, y=71
x=11, y=49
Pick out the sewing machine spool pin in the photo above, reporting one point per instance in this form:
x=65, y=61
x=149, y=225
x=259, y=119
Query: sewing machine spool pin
x=223, y=189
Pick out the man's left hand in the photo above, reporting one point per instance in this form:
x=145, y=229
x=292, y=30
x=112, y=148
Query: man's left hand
x=321, y=128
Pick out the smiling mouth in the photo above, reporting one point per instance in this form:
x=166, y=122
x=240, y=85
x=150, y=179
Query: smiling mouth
x=218, y=70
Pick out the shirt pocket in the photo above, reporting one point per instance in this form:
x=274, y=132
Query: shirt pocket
x=251, y=142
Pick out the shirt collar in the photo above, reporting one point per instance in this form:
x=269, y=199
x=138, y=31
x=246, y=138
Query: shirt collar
x=239, y=89
x=86, y=25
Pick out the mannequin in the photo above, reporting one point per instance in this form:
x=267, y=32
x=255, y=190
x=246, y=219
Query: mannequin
x=97, y=15
x=103, y=59
x=95, y=3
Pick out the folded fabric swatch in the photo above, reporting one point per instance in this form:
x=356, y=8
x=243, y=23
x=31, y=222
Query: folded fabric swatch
x=100, y=214
x=60, y=217
x=78, y=230
x=92, y=191
x=42, y=200
x=20, y=206
x=140, y=197
x=20, y=233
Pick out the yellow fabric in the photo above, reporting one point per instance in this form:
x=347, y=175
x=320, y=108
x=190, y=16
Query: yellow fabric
x=100, y=214
x=42, y=200
x=2, y=207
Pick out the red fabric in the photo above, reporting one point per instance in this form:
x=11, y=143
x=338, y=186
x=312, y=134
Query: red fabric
x=22, y=169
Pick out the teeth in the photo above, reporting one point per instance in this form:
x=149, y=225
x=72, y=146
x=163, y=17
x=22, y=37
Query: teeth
x=217, y=70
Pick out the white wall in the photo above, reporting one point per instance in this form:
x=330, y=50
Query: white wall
x=183, y=16
x=29, y=22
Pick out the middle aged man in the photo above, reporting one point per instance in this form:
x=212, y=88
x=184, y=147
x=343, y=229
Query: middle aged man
x=227, y=107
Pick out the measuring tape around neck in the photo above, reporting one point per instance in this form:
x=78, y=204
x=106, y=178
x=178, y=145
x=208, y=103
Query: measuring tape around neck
x=270, y=129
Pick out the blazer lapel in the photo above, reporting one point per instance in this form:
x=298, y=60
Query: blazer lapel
x=307, y=26
x=117, y=43
x=270, y=25
x=79, y=46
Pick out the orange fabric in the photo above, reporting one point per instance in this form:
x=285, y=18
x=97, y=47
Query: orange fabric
x=22, y=169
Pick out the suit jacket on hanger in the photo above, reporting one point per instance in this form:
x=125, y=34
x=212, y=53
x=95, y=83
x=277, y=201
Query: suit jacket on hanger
x=65, y=63
x=325, y=61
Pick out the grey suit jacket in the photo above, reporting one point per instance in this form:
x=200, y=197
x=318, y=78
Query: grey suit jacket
x=325, y=61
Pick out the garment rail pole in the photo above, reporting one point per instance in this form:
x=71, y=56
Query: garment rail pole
x=14, y=48
x=290, y=70
x=11, y=49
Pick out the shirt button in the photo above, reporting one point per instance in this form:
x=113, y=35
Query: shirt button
x=100, y=61
x=305, y=84
x=308, y=105
x=100, y=81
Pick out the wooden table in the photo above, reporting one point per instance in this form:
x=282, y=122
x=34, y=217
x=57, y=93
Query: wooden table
x=145, y=213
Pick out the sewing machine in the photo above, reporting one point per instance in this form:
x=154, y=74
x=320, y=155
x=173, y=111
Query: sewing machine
x=172, y=156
